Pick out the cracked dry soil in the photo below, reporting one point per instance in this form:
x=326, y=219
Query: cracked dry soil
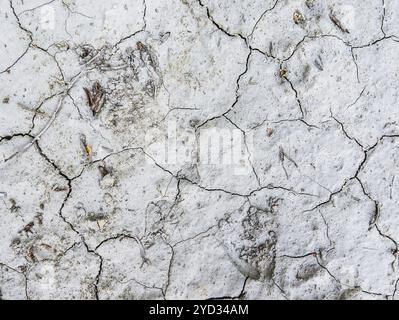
x=116, y=120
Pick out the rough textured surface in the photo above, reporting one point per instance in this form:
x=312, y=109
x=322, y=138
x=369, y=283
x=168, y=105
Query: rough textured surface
x=196, y=149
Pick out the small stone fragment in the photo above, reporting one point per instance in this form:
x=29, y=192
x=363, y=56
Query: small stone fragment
x=283, y=73
x=298, y=17
x=107, y=182
x=310, y=3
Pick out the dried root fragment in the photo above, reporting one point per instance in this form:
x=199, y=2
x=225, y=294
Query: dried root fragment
x=95, y=98
x=86, y=52
x=30, y=256
x=319, y=63
x=28, y=228
x=97, y=216
x=14, y=207
x=147, y=56
x=143, y=254
x=141, y=46
x=57, y=188
x=338, y=23
x=283, y=155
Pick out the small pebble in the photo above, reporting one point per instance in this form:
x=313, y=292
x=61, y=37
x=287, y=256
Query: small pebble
x=298, y=17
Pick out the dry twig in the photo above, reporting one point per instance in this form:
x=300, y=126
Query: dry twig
x=338, y=23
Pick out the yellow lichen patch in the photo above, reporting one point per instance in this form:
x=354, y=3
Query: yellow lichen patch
x=89, y=150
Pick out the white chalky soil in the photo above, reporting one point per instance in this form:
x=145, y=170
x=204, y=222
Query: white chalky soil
x=195, y=149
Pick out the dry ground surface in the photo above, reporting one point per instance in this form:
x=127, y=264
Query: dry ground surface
x=195, y=149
